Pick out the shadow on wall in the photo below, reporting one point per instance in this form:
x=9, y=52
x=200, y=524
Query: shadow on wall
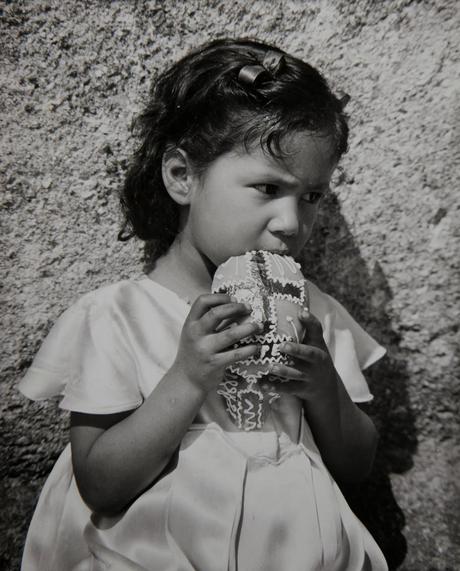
x=337, y=267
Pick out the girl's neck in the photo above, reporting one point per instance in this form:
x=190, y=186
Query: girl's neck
x=183, y=270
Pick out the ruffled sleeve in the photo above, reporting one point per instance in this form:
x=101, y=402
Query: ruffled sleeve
x=352, y=349
x=86, y=358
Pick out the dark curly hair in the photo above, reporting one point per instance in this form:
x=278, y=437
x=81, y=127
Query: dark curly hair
x=202, y=106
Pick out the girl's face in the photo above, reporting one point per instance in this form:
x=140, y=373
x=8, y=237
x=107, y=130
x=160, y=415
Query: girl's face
x=252, y=201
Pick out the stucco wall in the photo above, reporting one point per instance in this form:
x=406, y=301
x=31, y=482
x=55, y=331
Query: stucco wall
x=74, y=73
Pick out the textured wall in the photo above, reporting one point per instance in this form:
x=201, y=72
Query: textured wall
x=73, y=74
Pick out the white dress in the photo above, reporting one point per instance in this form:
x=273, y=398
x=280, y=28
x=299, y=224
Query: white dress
x=231, y=500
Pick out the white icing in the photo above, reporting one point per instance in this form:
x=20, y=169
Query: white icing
x=277, y=260
x=290, y=320
x=292, y=265
x=263, y=351
x=246, y=413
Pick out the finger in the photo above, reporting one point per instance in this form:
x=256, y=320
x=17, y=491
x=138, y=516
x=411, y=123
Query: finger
x=229, y=337
x=287, y=372
x=204, y=302
x=290, y=387
x=232, y=356
x=216, y=315
x=309, y=353
x=313, y=328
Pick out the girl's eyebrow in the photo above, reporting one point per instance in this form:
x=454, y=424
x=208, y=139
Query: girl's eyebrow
x=269, y=175
x=277, y=178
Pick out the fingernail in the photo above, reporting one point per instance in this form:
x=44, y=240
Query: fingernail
x=305, y=313
x=286, y=347
x=274, y=368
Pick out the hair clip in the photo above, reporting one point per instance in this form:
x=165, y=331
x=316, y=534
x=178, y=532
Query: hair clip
x=249, y=74
x=273, y=62
x=271, y=65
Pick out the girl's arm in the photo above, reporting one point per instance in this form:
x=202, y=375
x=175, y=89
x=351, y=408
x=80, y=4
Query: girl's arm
x=344, y=434
x=117, y=456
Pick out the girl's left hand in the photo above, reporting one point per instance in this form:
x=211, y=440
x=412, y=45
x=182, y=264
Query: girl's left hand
x=313, y=375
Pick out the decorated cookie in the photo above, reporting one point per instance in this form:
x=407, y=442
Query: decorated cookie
x=273, y=285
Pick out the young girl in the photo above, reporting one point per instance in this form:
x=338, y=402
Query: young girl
x=239, y=142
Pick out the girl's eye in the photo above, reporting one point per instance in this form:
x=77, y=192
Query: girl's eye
x=270, y=189
x=312, y=197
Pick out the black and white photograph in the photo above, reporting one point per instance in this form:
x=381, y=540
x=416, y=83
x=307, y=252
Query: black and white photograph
x=230, y=285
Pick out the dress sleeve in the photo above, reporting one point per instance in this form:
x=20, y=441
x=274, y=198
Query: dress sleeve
x=352, y=349
x=86, y=359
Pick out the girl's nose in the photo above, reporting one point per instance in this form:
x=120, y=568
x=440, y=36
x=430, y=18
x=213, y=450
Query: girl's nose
x=286, y=218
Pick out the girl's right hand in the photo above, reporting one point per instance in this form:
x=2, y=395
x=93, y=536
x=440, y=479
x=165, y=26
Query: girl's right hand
x=205, y=351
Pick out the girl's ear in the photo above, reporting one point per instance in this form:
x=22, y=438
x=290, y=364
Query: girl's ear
x=178, y=176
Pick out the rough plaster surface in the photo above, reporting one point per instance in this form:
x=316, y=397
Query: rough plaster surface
x=74, y=73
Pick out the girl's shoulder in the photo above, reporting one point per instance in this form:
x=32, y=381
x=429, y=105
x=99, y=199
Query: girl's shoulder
x=106, y=295
x=326, y=307
x=322, y=305
x=127, y=296
x=93, y=347
x=318, y=299
x=351, y=347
